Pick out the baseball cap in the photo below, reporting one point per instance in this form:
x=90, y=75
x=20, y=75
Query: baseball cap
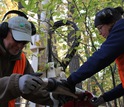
x=21, y=28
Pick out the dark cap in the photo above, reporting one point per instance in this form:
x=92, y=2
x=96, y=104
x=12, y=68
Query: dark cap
x=108, y=15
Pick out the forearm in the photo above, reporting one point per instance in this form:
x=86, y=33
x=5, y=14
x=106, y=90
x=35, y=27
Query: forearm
x=92, y=66
x=114, y=93
x=10, y=89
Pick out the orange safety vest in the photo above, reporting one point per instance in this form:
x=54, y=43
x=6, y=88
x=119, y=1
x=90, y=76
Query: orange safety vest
x=120, y=63
x=19, y=69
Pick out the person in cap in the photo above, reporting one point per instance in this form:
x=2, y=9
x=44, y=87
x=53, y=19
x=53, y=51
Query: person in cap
x=14, y=35
x=110, y=24
x=17, y=78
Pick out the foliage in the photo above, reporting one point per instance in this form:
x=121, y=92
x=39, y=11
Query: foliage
x=7, y=5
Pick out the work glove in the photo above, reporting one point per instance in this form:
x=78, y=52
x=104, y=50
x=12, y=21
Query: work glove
x=29, y=83
x=52, y=84
x=68, y=85
x=96, y=101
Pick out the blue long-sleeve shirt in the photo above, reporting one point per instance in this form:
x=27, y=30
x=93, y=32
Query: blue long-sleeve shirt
x=114, y=93
x=108, y=52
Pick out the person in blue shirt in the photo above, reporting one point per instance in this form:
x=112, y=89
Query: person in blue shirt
x=110, y=24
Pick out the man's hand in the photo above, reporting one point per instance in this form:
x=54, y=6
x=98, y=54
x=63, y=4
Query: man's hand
x=29, y=83
x=70, y=86
x=52, y=84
